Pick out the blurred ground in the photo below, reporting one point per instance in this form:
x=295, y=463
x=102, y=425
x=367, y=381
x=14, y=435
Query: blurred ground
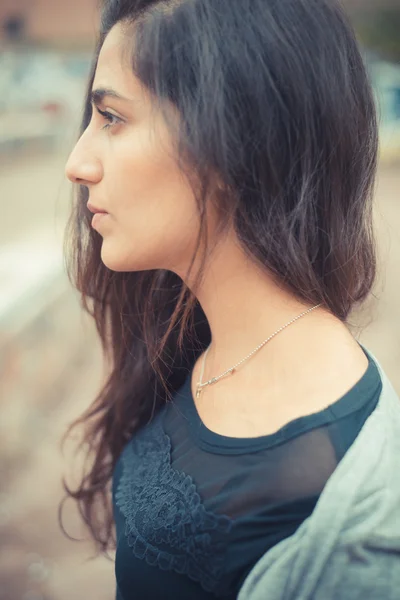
x=381, y=316
x=36, y=561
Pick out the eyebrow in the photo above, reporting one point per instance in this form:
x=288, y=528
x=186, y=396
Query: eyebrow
x=98, y=95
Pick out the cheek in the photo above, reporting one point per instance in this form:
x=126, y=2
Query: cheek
x=154, y=220
x=150, y=239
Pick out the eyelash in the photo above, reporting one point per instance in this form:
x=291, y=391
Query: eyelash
x=112, y=119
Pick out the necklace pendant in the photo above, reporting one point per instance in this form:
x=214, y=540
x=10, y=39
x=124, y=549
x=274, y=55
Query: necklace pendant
x=198, y=392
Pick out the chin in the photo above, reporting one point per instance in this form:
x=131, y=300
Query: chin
x=117, y=260
x=112, y=258
x=114, y=262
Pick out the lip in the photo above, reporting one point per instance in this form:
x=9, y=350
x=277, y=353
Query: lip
x=98, y=218
x=95, y=209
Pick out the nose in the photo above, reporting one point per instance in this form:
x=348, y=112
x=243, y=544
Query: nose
x=82, y=166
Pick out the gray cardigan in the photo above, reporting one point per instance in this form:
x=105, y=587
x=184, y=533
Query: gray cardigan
x=349, y=548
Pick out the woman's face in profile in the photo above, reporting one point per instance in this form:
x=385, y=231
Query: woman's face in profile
x=125, y=158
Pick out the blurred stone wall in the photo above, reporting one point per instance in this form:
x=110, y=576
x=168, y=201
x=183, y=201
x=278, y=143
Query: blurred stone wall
x=61, y=21
x=52, y=21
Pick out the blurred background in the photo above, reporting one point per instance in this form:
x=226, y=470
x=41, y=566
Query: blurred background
x=50, y=362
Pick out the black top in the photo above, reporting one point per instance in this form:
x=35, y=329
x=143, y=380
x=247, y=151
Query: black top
x=195, y=510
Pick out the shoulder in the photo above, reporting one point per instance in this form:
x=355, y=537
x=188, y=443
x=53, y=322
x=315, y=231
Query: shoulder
x=350, y=546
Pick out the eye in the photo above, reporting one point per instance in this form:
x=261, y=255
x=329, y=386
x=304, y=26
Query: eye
x=109, y=117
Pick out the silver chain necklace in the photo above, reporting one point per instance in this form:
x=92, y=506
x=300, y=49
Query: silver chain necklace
x=200, y=385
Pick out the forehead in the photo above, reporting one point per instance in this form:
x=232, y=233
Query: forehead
x=113, y=44
x=113, y=69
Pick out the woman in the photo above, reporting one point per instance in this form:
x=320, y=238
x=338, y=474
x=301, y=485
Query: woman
x=221, y=236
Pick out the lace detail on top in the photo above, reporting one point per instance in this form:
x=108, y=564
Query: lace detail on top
x=165, y=521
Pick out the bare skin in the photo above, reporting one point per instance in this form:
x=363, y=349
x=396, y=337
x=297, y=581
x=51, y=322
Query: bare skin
x=152, y=223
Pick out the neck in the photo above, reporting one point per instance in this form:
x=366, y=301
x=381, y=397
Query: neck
x=243, y=306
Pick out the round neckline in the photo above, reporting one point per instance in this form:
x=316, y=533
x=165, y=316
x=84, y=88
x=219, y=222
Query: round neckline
x=365, y=388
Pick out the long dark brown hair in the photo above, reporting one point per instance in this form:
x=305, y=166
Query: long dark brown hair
x=274, y=97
